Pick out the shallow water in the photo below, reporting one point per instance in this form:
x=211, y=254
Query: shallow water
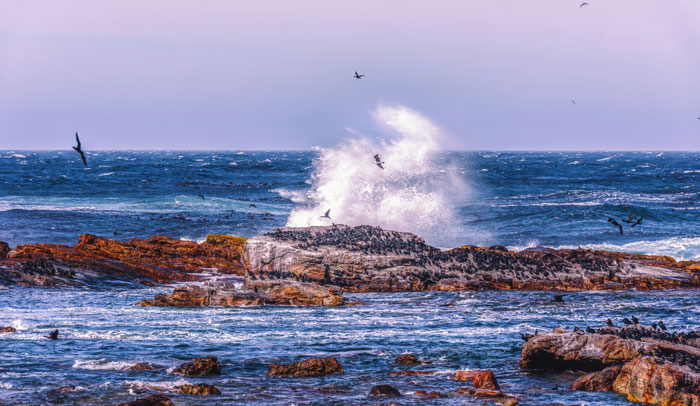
x=103, y=333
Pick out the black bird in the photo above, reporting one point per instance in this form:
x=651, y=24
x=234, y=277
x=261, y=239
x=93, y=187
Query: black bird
x=79, y=150
x=583, y=4
x=639, y=222
x=252, y=205
x=379, y=161
x=609, y=323
x=559, y=298
x=615, y=223
x=630, y=219
x=327, y=215
x=53, y=335
x=626, y=321
x=358, y=76
x=576, y=330
x=202, y=196
x=590, y=330
x=653, y=325
x=662, y=326
x=635, y=320
x=526, y=336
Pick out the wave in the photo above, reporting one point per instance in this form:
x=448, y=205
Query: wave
x=415, y=191
x=103, y=364
x=680, y=248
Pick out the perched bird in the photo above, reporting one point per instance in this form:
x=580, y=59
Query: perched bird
x=202, y=196
x=635, y=320
x=79, y=150
x=654, y=326
x=577, y=330
x=626, y=321
x=327, y=215
x=357, y=76
x=526, y=336
x=583, y=4
x=609, y=323
x=559, y=298
x=53, y=335
x=615, y=223
x=590, y=330
x=639, y=221
x=378, y=161
x=662, y=326
x=630, y=219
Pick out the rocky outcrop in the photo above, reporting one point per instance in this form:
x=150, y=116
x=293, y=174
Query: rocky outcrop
x=200, y=389
x=252, y=293
x=386, y=391
x=4, y=249
x=369, y=259
x=481, y=379
x=151, y=400
x=8, y=329
x=142, y=366
x=643, y=363
x=157, y=259
x=309, y=367
x=200, y=367
x=409, y=359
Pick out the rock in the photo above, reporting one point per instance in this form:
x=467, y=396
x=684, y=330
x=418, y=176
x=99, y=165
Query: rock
x=151, y=400
x=408, y=359
x=65, y=389
x=309, y=367
x=480, y=393
x=597, y=381
x=142, y=366
x=428, y=395
x=481, y=379
x=384, y=391
x=253, y=293
x=8, y=329
x=370, y=259
x=4, y=249
x=199, y=367
x=200, y=389
x=646, y=380
x=508, y=401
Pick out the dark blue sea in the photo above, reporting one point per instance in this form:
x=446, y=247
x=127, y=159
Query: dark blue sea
x=517, y=199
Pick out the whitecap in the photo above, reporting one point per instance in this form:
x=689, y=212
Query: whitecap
x=106, y=174
x=103, y=364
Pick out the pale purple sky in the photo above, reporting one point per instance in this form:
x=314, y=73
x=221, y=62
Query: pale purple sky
x=495, y=74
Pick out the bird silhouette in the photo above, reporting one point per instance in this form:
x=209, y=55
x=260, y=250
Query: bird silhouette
x=573, y=101
x=626, y=321
x=639, y=222
x=583, y=4
x=358, y=76
x=615, y=223
x=609, y=323
x=635, y=320
x=378, y=161
x=662, y=326
x=79, y=150
x=559, y=298
x=630, y=219
x=53, y=335
x=202, y=196
x=327, y=215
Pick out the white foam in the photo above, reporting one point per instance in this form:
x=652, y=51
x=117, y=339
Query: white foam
x=138, y=386
x=5, y=385
x=409, y=194
x=103, y=364
x=680, y=248
x=106, y=174
x=296, y=196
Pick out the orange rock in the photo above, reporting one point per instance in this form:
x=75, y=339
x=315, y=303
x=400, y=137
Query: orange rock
x=644, y=380
x=200, y=389
x=309, y=367
x=597, y=381
x=428, y=395
x=8, y=329
x=200, y=367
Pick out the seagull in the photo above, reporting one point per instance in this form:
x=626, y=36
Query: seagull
x=630, y=219
x=53, y=335
x=379, y=161
x=583, y=4
x=639, y=222
x=202, y=196
x=80, y=151
x=615, y=223
x=358, y=76
x=327, y=215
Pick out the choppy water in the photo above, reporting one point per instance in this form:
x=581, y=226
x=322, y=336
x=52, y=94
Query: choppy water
x=514, y=199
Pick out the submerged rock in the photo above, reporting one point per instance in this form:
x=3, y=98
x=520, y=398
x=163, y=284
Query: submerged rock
x=143, y=366
x=253, y=293
x=309, y=367
x=151, y=400
x=199, y=367
x=384, y=391
x=8, y=329
x=636, y=361
x=200, y=389
x=409, y=359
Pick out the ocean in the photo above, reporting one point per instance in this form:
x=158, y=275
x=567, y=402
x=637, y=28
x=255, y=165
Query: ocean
x=516, y=199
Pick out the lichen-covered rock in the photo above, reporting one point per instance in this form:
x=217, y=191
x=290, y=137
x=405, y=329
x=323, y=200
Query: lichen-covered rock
x=151, y=400
x=200, y=367
x=200, y=389
x=384, y=391
x=309, y=367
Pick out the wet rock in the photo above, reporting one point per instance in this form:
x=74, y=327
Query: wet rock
x=199, y=367
x=507, y=401
x=480, y=393
x=409, y=359
x=8, y=329
x=646, y=380
x=142, y=366
x=253, y=293
x=4, y=249
x=200, y=389
x=597, y=381
x=384, y=391
x=309, y=367
x=428, y=395
x=481, y=379
x=65, y=389
x=151, y=400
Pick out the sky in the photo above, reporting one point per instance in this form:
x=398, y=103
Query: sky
x=230, y=75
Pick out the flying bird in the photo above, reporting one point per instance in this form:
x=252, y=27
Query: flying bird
x=573, y=101
x=202, y=196
x=630, y=219
x=53, y=335
x=379, y=161
x=79, y=150
x=639, y=222
x=327, y=215
x=358, y=76
x=583, y=4
x=615, y=223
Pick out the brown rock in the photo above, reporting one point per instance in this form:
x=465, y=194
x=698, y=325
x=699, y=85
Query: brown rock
x=309, y=367
x=65, y=389
x=408, y=359
x=8, y=329
x=597, y=381
x=4, y=249
x=142, y=366
x=384, y=391
x=482, y=379
x=428, y=395
x=508, y=401
x=645, y=380
x=480, y=393
x=200, y=367
x=151, y=400
x=200, y=389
